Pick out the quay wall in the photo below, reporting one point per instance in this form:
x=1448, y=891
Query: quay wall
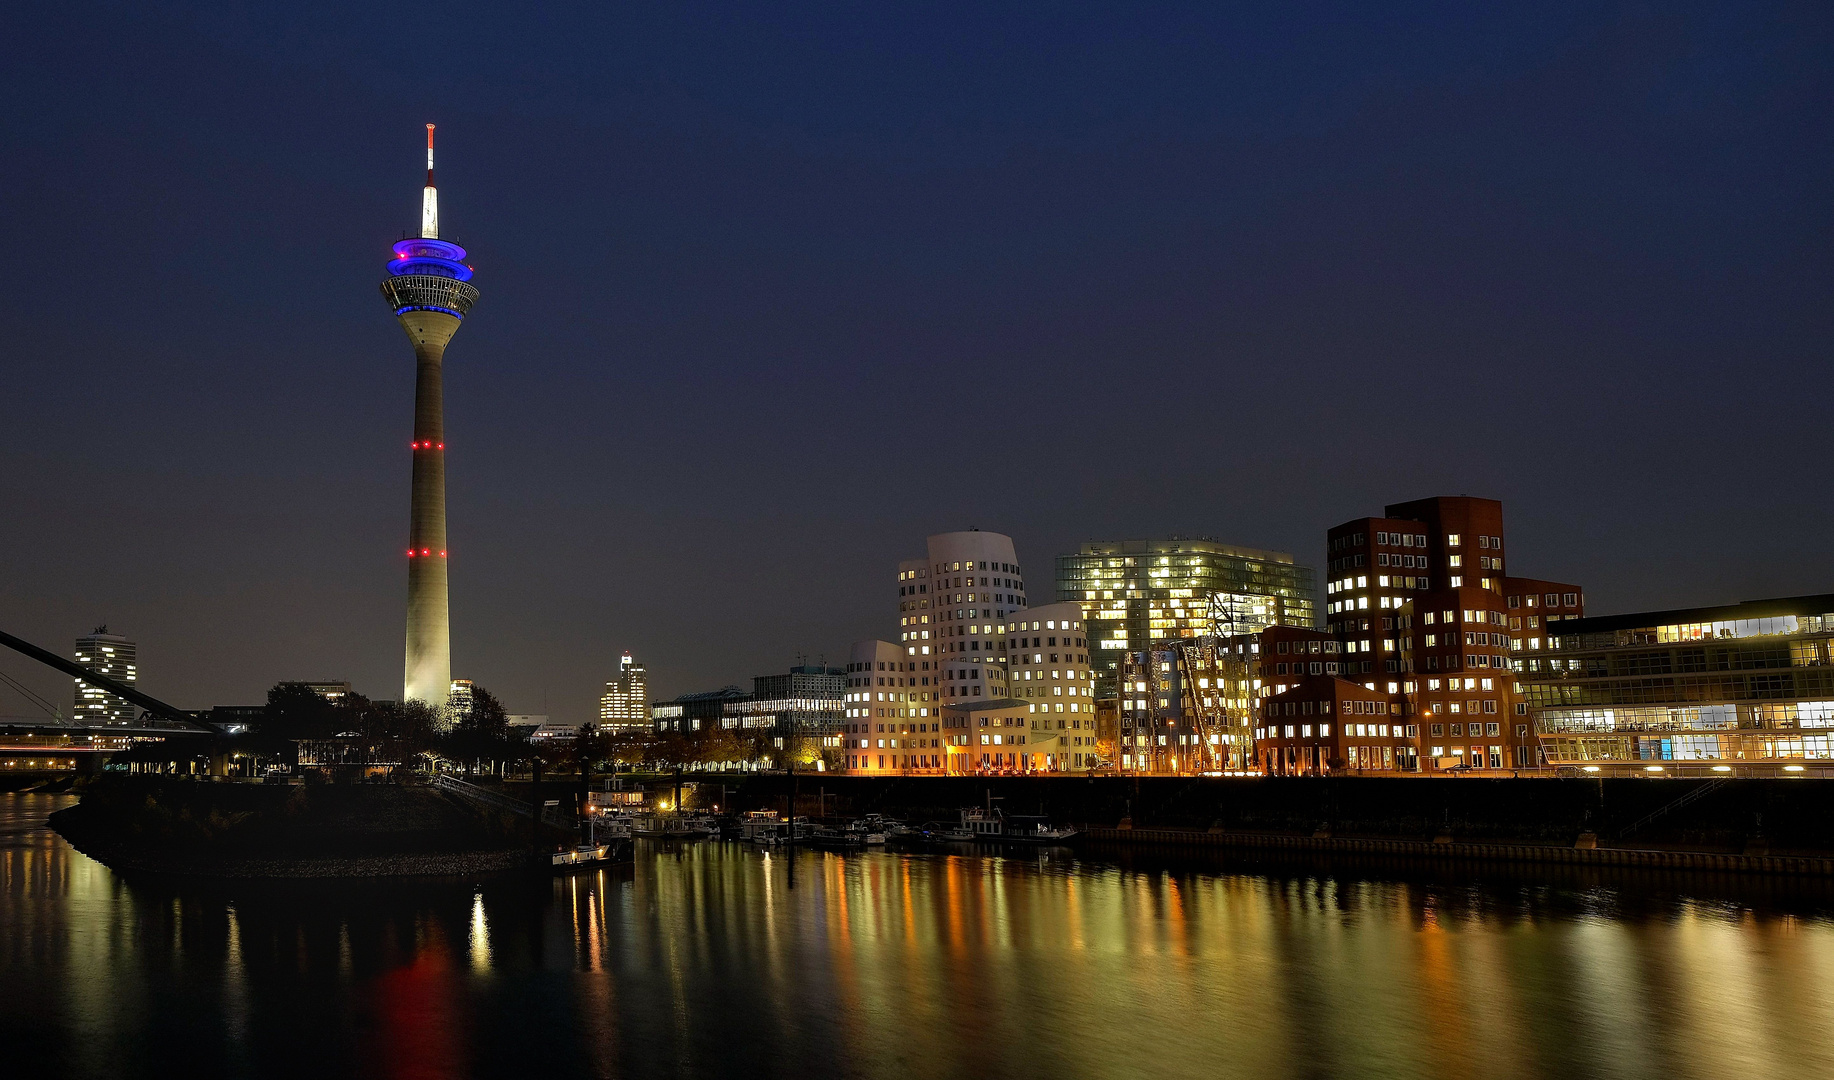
x=1736, y=816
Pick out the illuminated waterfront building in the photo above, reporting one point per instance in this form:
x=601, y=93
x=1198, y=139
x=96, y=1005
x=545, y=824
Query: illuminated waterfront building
x=1324, y=724
x=1745, y=688
x=892, y=713
x=115, y=657
x=429, y=289
x=807, y=702
x=1048, y=669
x=690, y=713
x=949, y=601
x=1423, y=608
x=625, y=705
x=992, y=738
x=1136, y=593
x=1193, y=705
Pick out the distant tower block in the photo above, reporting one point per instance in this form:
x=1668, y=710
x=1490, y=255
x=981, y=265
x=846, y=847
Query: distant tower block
x=428, y=286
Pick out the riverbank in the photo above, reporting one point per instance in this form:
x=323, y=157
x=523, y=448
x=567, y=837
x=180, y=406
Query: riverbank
x=159, y=825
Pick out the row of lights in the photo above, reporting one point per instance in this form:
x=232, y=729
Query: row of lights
x=1658, y=768
x=427, y=446
x=425, y=552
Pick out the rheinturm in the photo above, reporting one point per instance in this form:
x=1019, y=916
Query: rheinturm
x=429, y=288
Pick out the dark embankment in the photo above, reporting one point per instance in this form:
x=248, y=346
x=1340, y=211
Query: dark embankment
x=251, y=830
x=1793, y=816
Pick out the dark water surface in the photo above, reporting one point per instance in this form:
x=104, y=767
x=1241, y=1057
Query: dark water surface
x=703, y=960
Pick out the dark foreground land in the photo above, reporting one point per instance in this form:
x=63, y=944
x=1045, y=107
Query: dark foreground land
x=253, y=830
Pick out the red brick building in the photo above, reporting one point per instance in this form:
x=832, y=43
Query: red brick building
x=1322, y=724
x=1427, y=614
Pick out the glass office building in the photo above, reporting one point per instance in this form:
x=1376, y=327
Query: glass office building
x=1137, y=592
x=1743, y=689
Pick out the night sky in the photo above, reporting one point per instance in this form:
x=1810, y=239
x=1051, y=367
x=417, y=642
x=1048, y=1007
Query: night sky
x=770, y=293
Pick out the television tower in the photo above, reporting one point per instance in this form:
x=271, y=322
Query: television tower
x=428, y=286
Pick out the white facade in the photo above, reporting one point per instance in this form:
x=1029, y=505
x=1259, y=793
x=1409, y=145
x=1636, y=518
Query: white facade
x=1048, y=669
x=892, y=714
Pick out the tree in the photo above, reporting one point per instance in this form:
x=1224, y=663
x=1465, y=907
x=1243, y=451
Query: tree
x=480, y=732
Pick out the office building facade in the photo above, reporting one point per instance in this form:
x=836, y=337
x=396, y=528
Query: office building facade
x=624, y=708
x=1136, y=593
x=1741, y=688
x=114, y=657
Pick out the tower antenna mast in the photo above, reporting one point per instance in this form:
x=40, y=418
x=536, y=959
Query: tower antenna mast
x=429, y=197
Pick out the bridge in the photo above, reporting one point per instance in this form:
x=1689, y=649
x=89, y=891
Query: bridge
x=41, y=742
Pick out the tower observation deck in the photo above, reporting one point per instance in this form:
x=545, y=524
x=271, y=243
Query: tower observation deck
x=429, y=288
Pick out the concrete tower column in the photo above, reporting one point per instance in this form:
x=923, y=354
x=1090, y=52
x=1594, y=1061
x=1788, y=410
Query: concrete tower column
x=429, y=288
x=429, y=635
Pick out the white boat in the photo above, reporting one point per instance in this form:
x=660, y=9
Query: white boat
x=978, y=824
x=589, y=855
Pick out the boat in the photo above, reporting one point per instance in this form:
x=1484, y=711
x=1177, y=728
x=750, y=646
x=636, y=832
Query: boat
x=606, y=842
x=1031, y=829
x=588, y=855
x=834, y=839
x=661, y=826
x=872, y=829
x=978, y=824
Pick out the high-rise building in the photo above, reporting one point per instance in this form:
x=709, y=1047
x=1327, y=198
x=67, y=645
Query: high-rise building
x=1423, y=608
x=949, y=600
x=115, y=657
x=460, y=696
x=429, y=289
x=1138, y=592
x=625, y=706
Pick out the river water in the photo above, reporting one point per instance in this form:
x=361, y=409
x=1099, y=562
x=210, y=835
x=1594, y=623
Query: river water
x=714, y=960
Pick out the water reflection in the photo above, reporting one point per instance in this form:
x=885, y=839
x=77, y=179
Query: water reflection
x=702, y=960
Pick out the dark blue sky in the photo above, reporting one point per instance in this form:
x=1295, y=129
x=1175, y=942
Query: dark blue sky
x=1244, y=274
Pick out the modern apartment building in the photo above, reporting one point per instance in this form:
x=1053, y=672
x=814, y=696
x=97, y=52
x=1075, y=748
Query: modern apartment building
x=891, y=720
x=625, y=705
x=1136, y=593
x=1743, y=689
x=1424, y=608
x=1048, y=670
x=949, y=601
x=115, y=657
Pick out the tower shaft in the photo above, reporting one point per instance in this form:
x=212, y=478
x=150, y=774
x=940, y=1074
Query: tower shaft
x=428, y=674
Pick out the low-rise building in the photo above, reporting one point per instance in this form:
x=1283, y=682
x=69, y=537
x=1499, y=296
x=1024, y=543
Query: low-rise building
x=994, y=738
x=1745, y=688
x=1325, y=724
